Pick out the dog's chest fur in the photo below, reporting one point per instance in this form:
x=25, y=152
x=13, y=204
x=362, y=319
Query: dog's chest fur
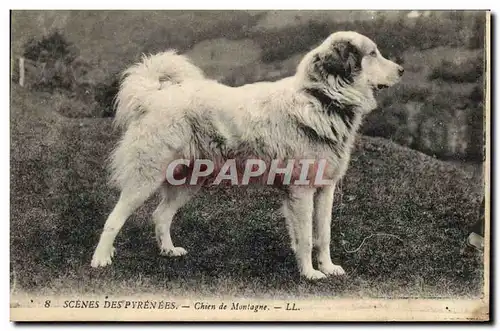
x=330, y=130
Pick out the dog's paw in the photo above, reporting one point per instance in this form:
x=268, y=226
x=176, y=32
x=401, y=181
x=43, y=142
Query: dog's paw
x=313, y=274
x=102, y=257
x=174, y=251
x=331, y=269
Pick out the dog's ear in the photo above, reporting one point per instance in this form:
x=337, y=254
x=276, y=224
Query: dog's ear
x=343, y=59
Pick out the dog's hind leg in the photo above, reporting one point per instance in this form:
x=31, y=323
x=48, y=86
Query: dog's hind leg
x=130, y=199
x=323, y=202
x=174, y=197
x=300, y=213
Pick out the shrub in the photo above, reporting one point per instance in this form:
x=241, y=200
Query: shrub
x=105, y=94
x=54, y=63
x=387, y=122
x=442, y=123
x=477, y=94
x=468, y=72
x=51, y=47
x=476, y=122
x=478, y=32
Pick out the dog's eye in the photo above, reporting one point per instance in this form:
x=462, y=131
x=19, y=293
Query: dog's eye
x=373, y=53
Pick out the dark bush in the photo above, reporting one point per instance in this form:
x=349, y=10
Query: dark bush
x=49, y=48
x=477, y=94
x=469, y=72
x=386, y=122
x=53, y=59
x=105, y=94
x=478, y=32
x=476, y=123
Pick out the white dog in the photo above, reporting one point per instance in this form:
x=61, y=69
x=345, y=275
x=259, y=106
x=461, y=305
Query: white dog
x=170, y=111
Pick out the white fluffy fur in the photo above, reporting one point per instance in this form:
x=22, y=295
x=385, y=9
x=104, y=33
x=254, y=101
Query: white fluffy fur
x=145, y=78
x=168, y=110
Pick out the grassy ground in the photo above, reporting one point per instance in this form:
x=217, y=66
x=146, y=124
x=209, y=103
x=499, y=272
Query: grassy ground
x=236, y=239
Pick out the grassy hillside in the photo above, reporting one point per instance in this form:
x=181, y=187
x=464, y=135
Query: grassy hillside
x=236, y=238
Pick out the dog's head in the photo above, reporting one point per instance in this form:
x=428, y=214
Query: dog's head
x=350, y=59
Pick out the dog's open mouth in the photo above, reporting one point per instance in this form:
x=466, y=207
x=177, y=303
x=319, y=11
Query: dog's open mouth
x=380, y=87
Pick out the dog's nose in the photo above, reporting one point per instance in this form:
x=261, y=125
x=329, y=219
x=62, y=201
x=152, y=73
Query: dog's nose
x=401, y=71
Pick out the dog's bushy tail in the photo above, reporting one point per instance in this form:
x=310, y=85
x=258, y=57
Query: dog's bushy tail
x=153, y=73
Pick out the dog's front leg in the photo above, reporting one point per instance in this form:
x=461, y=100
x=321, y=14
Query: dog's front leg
x=299, y=204
x=323, y=202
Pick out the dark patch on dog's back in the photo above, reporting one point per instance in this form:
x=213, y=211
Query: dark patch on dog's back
x=218, y=139
x=315, y=137
x=206, y=132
